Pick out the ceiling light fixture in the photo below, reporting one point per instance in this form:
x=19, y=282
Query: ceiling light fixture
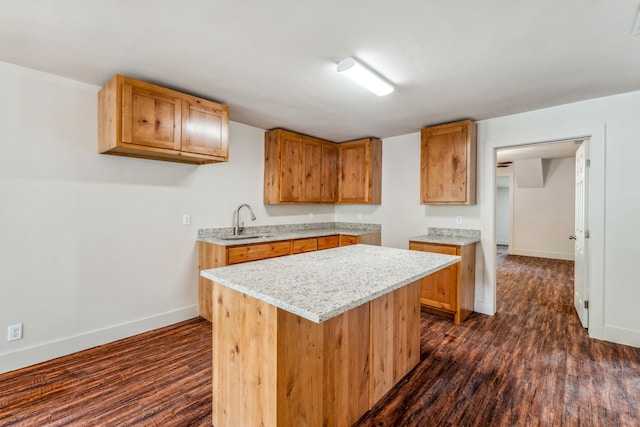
x=365, y=77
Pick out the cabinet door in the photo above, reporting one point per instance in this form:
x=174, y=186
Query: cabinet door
x=354, y=173
x=312, y=170
x=439, y=289
x=328, y=242
x=291, y=167
x=329, y=180
x=346, y=240
x=447, y=164
x=246, y=253
x=204, y=128
x=150, y=118
x=305, y=245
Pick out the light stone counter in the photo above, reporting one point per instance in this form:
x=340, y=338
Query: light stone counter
x=320, y=285
x=276, y=233
x=448, y=236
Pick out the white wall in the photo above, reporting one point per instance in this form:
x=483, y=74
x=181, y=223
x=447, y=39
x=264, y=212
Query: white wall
x=543, y=218
x=92, y=247
x=614, y=128
x=503, y=211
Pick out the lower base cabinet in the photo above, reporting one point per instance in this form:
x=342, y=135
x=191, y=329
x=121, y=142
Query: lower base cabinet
x=449, y=292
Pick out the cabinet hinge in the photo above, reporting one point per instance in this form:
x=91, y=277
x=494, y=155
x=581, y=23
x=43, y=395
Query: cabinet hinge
x=586, y=304
x=587, y=234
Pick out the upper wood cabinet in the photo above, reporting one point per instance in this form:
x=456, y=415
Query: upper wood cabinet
x=298, y=168
x=329, y=181
x=360, y=172
x=139, y=119
x=303, y=169
x=448, y=164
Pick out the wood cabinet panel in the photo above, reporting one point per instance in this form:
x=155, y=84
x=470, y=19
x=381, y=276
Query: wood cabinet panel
x=238, y=254
x=328, y=242
x=203, y=128
x=150, y=117
x=292, y=168
x=439, y=290
x=329, y=181
x=305, y=245
x=139, y=119
x=448, y=164
x=395, y=338
x=272, y=367
x=293, y=171
x=346, y=240
x=360, y=172
x=450, y=291
x=303, y=169
x=312, y=184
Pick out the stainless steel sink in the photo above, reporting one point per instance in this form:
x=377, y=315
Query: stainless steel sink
x=246, y=237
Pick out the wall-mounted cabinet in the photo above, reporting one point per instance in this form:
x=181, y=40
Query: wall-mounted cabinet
x=448, y=164
x=360, y=172
x=298, y=169
x=139, y=119
x=302, y=169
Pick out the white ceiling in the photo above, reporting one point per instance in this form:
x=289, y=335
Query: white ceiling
x=273, y=62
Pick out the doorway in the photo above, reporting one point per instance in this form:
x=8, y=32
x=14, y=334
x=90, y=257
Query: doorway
x=537, y=206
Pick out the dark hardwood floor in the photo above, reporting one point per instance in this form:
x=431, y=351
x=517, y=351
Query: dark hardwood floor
x=530, y=364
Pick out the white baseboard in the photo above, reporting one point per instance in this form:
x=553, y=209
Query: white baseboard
x=621, y=335
x=542, y=254
x=53, y=349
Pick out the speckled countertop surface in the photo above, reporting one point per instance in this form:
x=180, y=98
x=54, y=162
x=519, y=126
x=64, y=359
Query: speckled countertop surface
x=276, y=233
x=320, y=285
x=448, y=236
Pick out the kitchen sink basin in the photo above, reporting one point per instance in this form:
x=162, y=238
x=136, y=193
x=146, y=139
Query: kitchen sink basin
x=246, y=236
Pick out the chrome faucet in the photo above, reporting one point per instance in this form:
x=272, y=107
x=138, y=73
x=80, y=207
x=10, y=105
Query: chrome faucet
x=237, y=228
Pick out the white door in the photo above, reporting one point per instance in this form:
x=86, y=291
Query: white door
x=581, y=278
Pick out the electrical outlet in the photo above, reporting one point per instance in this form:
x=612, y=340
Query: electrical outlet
x=14, y=332
x=186, y=219
x=310, y=215
x=359, y=217
x=459, y=220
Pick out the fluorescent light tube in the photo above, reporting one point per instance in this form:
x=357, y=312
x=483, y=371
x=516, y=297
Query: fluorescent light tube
x=366, y=78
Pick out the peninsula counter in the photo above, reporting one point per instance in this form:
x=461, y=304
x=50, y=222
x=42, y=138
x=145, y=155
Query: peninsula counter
x=315, y=339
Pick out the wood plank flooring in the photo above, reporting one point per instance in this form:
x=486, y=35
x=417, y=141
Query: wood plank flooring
x=530, y=364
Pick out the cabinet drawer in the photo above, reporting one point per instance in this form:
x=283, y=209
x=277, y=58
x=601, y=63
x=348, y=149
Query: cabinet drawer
x=328, y=242
x=430, y=247
x=346, y=240
x=258, y=251
x=305, y=245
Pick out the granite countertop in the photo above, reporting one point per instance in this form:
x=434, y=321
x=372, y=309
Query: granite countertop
x=274, y=233
x=448, y=236
x=320, y=285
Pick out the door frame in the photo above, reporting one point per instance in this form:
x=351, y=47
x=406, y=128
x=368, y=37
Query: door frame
x=596, y=199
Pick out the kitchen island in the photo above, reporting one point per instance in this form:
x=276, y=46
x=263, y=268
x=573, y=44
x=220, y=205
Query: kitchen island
x=317, y=338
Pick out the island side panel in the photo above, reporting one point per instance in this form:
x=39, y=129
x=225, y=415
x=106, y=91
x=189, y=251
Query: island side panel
x=346, y=367
x=395, y=338
x=299, y=371
x=244, y=359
